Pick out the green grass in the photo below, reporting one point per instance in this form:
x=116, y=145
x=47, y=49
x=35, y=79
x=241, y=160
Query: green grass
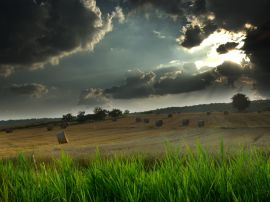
x=189, y=176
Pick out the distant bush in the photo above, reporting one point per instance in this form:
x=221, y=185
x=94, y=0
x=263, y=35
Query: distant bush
x=170, y=115
x=100, y=114
x=126, y=112
x=81, y=117
x=226, y=113
x=115, y=113
x=68, y=117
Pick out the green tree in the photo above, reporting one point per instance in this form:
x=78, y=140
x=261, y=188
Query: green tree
x=126, y=112
x=81, y=116
x=240, y=102
x=100, y=114
x=115, y=113
x=67, y=117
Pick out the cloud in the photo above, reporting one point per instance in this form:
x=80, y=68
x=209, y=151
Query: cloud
x=231, y=71
x=225, y=48
x=93, y=97
x=233, y=15
x=200, y=18
x=35, y=33
x=138, y=84
x=174, y=7
x=257, y=46
x=6, y=70
x=165, y=81
x=159, y=34
x=118, y=13
x=193, y=34
x=33, y=89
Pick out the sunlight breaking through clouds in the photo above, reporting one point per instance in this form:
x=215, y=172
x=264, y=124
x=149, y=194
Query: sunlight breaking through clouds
x=216, y=39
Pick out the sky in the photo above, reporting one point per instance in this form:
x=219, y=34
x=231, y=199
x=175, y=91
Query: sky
x=66, y=56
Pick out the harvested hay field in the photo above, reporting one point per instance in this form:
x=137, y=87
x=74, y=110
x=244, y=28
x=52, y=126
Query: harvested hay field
x=125, y=135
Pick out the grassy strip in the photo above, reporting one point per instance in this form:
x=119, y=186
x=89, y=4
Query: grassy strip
x=193, y=176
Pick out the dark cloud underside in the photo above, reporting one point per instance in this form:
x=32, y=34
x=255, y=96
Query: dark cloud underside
x=34, y=33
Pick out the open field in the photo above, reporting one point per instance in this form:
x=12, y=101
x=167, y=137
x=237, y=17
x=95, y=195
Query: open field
x=125, y=135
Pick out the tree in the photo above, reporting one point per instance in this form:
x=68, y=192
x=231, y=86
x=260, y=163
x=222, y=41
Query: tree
x=100, y=114
x=115, y=113
x=81, y=116
x=67, y=117
x=240, y=102
x=126, y=112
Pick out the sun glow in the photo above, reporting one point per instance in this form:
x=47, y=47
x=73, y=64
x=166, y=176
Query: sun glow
x=211, y=44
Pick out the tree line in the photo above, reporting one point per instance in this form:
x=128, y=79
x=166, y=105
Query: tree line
x=240, y=101
x=99, y=114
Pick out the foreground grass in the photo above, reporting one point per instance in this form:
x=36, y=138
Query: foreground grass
x=193, y=176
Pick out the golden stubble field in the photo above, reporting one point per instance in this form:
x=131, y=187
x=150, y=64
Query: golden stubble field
x=127, y=136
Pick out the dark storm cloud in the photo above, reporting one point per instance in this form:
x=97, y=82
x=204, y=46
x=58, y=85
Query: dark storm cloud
x=174, y=7
x=33, y=89
x=233, y=15
x=225, y=48
x=170, y=80
x=194, y=35
x=37, y=32
x=257, y=45
x=231, y=71
x=184, y=83
x=203, y=17
x=138, y=84
x=230, y=14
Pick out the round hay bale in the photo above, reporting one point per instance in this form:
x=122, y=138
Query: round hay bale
x=201, y=123
x=8, y=130
x=159, y=123
x=146, y=121
x=226, y=113
x=62, y=138
x=185, y=122
x=138, y=120
x=49, y=127
x=170, y=115
x=208, y=113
